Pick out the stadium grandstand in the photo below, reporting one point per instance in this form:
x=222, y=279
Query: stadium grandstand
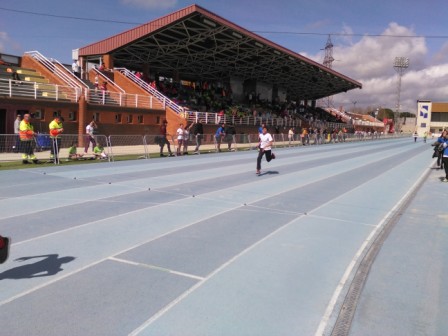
x=187, y=66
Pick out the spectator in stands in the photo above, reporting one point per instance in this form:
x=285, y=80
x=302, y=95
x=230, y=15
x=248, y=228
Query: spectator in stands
x=265, y=147
x=260, y=129
x=221, y=116
x=198, y=132
x=17, y=133
x=4, y=248
x=162, y=140
x=104, y=88
x=56, y=129
x=16, y=78
x=96, y=82
x=219, y=135
x=89, y=137
x=76, y=69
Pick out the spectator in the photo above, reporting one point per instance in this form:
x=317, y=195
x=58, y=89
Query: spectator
x=162, y=140
x=198, y=132
x=72, y=152
x=26, y=133
x=96, y=82
x=220, y=133
x=230, y=132
x=56, y=130
x=17, y=133
x=16, y=78
x=265, y=147
x=76, y=69
x=89, y=137
x=290, y=136
x=99, y=152
x=180, y=139
x=187, y=138
x=4, y=248
x=444, y=145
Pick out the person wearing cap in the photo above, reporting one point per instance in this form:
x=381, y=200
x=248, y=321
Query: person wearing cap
x=163, y=140
x=26, y=134
x=4, y=248
x=56, y=130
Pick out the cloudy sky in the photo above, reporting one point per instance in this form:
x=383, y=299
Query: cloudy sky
x=367, y=36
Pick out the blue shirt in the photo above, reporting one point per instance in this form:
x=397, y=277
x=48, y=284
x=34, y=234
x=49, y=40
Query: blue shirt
x=219, y=131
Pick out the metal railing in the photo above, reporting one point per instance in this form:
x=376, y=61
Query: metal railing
x=108, y=80
x=119, y=147
x=59, y=70
x=24, y=89
x=162, y=98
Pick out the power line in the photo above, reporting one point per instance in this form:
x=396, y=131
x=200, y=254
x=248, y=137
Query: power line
x=255, y=31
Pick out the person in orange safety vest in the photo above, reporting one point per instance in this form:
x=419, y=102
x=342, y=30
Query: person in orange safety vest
x=56, y=130
x=26, y=135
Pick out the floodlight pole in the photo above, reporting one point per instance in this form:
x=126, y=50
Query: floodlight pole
x=400, y=65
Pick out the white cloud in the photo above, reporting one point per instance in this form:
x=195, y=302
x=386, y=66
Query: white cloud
x=370, y=61
x=151, y=4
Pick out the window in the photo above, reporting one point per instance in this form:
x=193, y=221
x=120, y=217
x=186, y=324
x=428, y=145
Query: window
x=140, y=119
x=96, y=117
x=118, y=118
x=38, y=114
x=129, y=118
x=56, y=114
x=72, y=116
x=158, y=120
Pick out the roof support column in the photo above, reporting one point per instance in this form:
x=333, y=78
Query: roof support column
x=108, y=61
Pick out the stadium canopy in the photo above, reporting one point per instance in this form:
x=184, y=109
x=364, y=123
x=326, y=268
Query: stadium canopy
x=195, y=44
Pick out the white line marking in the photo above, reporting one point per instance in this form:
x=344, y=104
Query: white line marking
x=330, y=308
x=163, y=269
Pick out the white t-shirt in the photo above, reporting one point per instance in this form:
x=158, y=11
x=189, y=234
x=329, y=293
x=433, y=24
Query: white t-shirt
x=180, y=133
x=89, y=129
x=265, y=140
x=186, y=135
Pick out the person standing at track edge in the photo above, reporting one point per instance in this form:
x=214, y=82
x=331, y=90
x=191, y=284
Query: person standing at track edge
x=26, y=134
x=444, y=144
x=90, y=138
x=4, y=248
x=56, y=130
x=198, y=132
x=266, y=141
x=163, y=140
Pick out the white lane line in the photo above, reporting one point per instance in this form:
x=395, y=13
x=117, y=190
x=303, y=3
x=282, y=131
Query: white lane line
x=158, y=268
x=334, y=299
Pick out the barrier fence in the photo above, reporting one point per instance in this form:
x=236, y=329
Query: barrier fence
x=72, y=147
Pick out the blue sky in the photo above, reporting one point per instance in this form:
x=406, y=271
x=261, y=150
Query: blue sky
x=301, y=26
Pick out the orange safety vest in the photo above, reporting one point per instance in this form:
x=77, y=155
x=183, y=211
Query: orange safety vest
x=26, y=131
x=55, y=129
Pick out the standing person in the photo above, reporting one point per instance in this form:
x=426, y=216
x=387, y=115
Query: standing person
x=96, y=83
x=75, y=68
x=26, y=133
x=198, y=132
x=444, y=145
x=163, y=140
x=4, y=248
x=425, y=136
x=290, y=136
x=415, y=136
x=180, y=139
x=89, y=137
x=220, y=133
x=230, y=132
x=17, y=133
x=266, y=141
x=187, y=138
x=56, y=130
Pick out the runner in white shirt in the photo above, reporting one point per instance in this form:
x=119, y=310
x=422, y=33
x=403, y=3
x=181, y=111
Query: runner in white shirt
x=266, y=141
